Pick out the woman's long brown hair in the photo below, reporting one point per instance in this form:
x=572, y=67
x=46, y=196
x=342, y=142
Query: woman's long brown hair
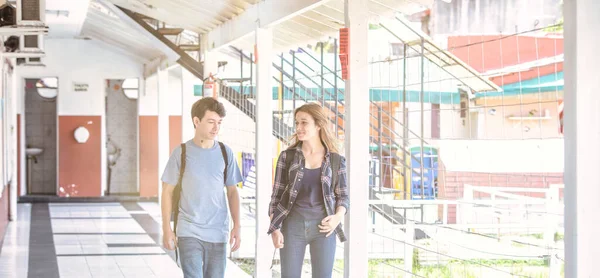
x=326, y=135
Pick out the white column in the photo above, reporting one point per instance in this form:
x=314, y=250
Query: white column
x=13, y=133
x=163, y=124
x=357, y=139
x=20, y=83
x=264, y=160
x=582, y=134
x=211, y=64
x=188, y=80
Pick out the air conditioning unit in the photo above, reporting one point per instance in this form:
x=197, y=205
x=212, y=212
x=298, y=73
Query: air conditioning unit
x=31, y=12
x=23, y=45
x=8, y=15
x=22, y=28
x=31, y=61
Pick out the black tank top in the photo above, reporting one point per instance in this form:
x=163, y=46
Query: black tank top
x=309, y=202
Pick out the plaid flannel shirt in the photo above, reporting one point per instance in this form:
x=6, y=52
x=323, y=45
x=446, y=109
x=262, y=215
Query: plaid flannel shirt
x=285, y=189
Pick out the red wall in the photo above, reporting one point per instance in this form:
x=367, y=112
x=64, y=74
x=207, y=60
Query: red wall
x=149, y=156
x=174, y=132
x=527, y=75
x=79, y=165
x=497, y=52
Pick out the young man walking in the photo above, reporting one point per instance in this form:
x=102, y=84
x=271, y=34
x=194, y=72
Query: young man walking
x=202, y=224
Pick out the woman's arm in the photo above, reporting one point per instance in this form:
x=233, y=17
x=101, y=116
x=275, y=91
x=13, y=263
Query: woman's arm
x=342, y=201
x=280, y=182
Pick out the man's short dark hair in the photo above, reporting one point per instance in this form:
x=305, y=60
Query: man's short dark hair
x=207, y=104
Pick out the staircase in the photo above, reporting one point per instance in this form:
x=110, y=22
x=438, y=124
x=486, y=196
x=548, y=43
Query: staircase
x=188, y=51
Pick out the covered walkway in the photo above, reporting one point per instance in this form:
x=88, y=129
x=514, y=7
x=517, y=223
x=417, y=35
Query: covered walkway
x=80, y=240
x=446, y=173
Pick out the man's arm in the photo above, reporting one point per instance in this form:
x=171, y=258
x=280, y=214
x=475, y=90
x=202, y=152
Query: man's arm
x=234, y=206
x=169, y=238
x=167, y=205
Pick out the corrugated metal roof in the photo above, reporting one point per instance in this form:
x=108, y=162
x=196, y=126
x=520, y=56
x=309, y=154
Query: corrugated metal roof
x=325, y=20
x=311, y=26
x=102, y=25
x=194, y=15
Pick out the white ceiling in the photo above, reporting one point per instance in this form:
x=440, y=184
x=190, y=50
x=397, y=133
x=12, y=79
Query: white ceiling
x=65, y=17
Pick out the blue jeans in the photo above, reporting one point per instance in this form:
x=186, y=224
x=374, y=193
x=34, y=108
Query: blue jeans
x=297, y=233
x=201, y=259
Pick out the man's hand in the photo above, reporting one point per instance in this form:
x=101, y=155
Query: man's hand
x=277, y=238
x=169, y=239
x=329, y=223
x=235, y=238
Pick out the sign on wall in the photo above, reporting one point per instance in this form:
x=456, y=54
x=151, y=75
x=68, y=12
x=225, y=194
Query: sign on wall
x=80, y=87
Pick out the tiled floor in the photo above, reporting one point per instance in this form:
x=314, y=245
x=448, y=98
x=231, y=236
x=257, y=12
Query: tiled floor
x=89, y=240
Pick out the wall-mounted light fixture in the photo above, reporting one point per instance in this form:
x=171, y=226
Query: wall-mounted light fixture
x=58, y=13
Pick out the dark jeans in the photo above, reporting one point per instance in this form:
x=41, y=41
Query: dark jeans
x=201, y=259
x=297, y=233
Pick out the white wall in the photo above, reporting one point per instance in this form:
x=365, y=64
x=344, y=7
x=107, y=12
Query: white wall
x=7, y=127
x=81, y=61
x=415, y=118
x=86, y=62
x=494, y=118
x=188, y=80
x=148, y=101
x=238, y=130
x=175, y=86
x=452, y=126
x=503, y=156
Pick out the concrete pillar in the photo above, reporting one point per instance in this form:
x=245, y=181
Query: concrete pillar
x=582, y=134
x=210, y=59
x=188, y=81
x=12, y=90
x=356, y=137
x=163, y=124
x=264, y=156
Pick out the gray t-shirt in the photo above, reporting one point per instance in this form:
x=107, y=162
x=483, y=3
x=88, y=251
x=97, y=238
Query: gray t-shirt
x=203, y=211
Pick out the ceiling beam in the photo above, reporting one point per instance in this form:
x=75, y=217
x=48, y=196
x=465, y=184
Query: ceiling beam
x=266, y=13
x=120, y=49
x=80, y=13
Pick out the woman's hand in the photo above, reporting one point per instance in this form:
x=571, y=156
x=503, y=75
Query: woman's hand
x=329, y=223
x=277, y=238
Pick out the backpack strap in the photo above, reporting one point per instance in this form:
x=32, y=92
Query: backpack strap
x=177, y=198
x=224, y=153
x=177, y=191
x=182, y=166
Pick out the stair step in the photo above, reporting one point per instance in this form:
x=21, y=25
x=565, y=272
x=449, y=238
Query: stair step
x=170, y=31
x=190, y=47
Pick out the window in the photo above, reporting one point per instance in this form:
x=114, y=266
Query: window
x=47, y=87
x=131, y=88
x=397, y=49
